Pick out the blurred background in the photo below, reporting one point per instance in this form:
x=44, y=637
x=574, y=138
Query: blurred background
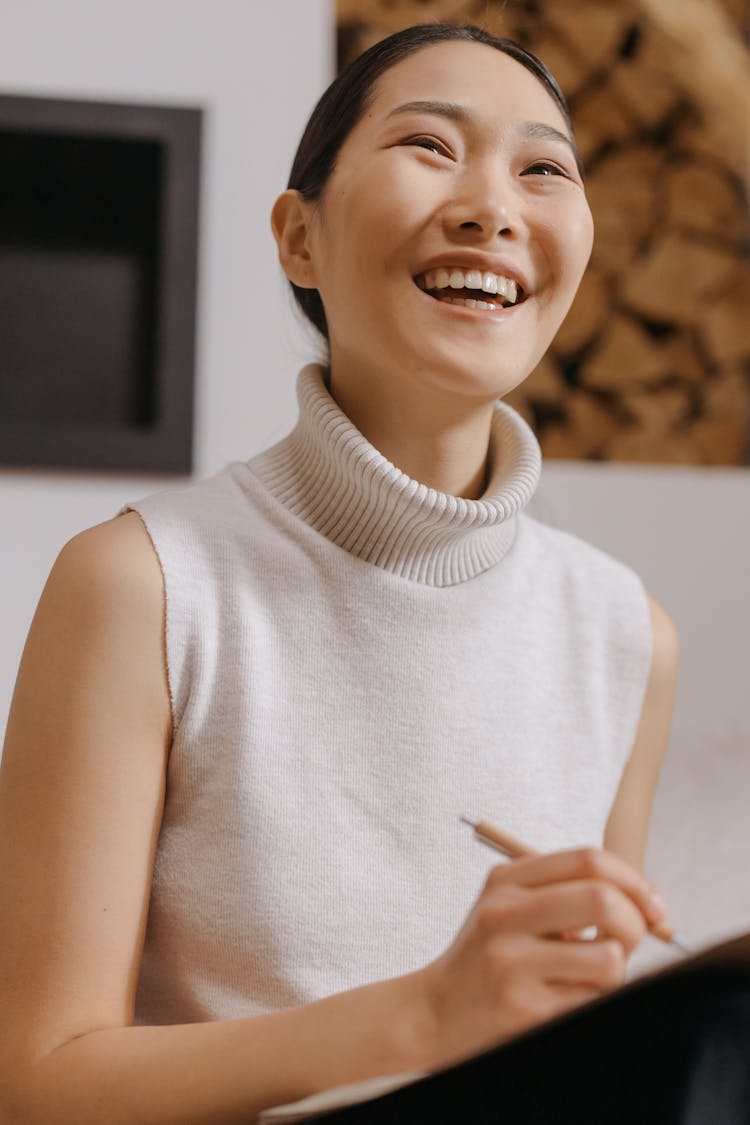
x=641, y=405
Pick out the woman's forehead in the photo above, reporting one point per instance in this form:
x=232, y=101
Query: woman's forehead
x=472, y=74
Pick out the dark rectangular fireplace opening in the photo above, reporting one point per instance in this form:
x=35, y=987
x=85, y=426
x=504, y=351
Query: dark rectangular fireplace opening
x=98, y=252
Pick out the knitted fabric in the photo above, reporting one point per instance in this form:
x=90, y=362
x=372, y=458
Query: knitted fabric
x=355, y=660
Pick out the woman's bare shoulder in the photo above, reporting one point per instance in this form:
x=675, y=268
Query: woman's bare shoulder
x=115, y=553
x=100, y=620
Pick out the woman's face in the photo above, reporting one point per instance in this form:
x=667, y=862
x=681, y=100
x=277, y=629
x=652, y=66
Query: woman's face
x=461, y=168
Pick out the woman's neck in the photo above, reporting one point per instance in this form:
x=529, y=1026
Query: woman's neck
x=432, y=437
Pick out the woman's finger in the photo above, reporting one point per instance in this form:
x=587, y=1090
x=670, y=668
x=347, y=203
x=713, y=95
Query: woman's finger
x=573, y=905
x=591, y=902
x=581, y=864
x=593, y=964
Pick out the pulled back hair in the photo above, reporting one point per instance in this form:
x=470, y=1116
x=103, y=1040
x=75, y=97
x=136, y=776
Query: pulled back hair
x=348, y=97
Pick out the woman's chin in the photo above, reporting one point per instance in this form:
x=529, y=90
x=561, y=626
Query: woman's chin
x=478, y=381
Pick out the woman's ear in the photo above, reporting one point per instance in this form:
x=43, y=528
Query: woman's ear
x=290, y=223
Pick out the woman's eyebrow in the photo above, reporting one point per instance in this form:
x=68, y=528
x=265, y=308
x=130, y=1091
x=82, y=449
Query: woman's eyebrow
x=451, y=110
x=539, y=130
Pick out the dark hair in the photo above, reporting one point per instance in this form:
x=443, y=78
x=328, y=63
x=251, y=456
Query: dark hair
x=347, y=98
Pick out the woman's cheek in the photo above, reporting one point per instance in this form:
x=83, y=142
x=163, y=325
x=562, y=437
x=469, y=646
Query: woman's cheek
x=574, y=242
x=584, y=234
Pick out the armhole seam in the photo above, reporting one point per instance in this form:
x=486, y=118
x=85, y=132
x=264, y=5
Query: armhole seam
x=165, y=616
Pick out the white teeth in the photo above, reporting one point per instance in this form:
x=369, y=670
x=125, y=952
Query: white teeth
x=491, y=283
x=507, y=288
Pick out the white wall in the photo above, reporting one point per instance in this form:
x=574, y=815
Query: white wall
x=256, y=67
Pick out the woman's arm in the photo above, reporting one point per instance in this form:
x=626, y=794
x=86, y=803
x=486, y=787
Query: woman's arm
x=627, y=827
x=82, y=787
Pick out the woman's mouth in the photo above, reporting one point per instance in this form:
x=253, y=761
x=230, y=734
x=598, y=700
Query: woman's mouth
x=474, y=289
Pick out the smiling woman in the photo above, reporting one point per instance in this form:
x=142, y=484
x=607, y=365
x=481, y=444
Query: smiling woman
x=233, y=868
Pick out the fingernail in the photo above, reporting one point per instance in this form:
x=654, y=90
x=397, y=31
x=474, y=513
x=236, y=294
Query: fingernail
x=657, y=905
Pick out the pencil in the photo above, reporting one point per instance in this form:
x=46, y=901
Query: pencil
x=514, y=848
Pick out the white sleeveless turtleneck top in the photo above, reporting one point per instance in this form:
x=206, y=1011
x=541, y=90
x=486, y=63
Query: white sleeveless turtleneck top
x=355, y=660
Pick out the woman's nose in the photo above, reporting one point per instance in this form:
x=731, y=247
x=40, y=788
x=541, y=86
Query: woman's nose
x=483, y=208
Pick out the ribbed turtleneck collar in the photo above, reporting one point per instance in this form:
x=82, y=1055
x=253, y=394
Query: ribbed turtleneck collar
x=329, y=475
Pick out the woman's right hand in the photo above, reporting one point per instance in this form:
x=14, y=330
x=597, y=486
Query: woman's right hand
x=520, y=959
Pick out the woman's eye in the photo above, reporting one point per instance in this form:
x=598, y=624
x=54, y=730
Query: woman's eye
x=428, y=143
x=544, y=168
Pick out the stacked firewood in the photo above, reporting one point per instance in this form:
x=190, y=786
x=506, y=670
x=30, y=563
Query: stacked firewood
x=653, y=361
